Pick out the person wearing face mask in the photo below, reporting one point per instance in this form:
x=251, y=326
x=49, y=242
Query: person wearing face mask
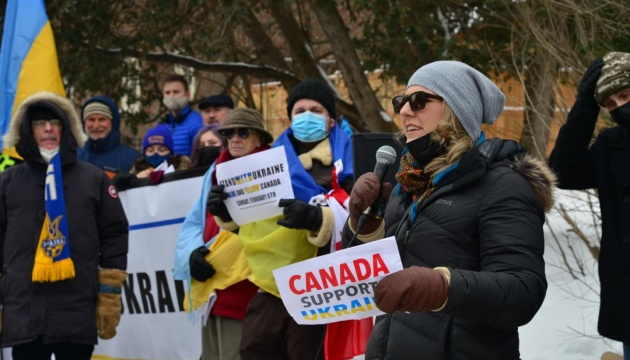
x=63, y=238
x=467, y=213
x=604, y=166
x=157, y=147
x=101, y=121
x=207, y=146
x=183, y=121
x=227, y=276
x=313, y=146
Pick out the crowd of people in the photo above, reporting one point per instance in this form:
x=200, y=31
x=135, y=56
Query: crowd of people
x=466, y=211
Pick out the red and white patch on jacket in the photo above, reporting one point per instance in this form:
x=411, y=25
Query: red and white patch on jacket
x=112, y=192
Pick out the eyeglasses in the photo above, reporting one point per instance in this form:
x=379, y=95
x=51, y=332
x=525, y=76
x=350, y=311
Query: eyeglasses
x=42, y=123
x=242, y=133
x=417, y=101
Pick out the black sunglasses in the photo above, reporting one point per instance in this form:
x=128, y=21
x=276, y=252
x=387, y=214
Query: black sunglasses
x=242, y=133
x=417, y=101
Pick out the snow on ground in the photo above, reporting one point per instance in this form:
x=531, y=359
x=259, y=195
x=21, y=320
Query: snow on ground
x=565, y=328
x=566, y=325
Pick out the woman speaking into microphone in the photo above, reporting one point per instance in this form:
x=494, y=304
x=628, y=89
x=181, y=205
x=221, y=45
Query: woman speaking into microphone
x=467, y=213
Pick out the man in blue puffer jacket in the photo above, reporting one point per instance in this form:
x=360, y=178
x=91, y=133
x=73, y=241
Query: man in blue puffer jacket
x=183, y=121
x=101, y=122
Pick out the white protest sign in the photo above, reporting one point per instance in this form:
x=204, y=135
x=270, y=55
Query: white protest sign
x=254, y=185
x=338, y=286
x=154, y=324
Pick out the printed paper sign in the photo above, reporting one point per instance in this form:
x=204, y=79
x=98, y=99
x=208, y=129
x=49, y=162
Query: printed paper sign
x=254, y=184
x=338, y=286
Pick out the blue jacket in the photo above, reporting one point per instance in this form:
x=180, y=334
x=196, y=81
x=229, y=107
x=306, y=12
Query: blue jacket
x=108, y=152
x=184, y=127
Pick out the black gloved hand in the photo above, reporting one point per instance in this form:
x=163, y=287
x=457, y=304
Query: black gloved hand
x=586, y=88
x=300, y=215
x=200, y=269
x=122, y=180
x=215, y=204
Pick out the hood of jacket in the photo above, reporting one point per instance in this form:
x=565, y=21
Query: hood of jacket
x=20, y=134
x=113, y=138
x=497, y=152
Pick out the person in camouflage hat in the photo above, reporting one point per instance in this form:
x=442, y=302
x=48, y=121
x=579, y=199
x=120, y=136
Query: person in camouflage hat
x=615, y=76
x=604, y=166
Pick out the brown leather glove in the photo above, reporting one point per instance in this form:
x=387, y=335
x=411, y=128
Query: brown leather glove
x=108, y=305
x=364, y=193
x=415, y=289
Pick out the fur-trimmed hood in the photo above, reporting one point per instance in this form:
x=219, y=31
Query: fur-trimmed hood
x=494, y=152
x=21, y=136
x=540, y=177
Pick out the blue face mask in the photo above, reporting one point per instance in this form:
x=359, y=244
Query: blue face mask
x=309, y=127
x=156, y=159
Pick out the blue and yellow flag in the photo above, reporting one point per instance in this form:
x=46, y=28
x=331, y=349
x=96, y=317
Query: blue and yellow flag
x=28, y=57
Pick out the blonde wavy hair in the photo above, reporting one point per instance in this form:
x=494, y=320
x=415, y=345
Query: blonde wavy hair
x=449, y=133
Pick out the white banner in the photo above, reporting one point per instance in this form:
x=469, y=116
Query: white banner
x=254, y=184
x=154, y=324
x=338, y=286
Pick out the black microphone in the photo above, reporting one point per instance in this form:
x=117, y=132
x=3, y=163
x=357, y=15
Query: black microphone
x=385, y=156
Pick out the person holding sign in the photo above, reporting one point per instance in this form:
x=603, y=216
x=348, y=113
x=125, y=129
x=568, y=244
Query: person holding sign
x=320, y=160
x=202, y=246
x=63, y=238
x=468, y=215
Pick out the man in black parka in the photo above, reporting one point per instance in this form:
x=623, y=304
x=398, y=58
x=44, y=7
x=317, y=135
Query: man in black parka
x=605, y=166
x=50, y=309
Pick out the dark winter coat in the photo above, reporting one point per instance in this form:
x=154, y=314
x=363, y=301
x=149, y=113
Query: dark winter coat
x=604, y=166
x=484, y=221
x=62, y=311
x=108, y=153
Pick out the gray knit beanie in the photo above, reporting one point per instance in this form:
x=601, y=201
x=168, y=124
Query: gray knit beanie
x=615, y=76
x=474, y=98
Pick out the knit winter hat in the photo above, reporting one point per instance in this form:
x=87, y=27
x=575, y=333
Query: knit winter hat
x=474, y=98
x=159, y=135
x=313, y=89
x=246, y=118
x=615, y=75
x=97, y=108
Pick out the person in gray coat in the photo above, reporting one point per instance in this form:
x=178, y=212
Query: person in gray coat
x=63, y=238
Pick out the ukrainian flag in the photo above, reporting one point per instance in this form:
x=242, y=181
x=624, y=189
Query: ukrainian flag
x=28, y=57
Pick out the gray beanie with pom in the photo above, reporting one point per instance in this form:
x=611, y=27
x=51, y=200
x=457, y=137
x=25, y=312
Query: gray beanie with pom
x=474, y=98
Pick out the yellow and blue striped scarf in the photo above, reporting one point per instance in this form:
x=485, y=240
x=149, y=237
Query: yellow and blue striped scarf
x=52, y=256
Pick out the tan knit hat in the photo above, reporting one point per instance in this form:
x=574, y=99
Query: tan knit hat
x=615, y=75
x=97, y=108
x=246, y=118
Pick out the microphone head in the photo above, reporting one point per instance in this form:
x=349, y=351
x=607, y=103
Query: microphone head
x=386, y=155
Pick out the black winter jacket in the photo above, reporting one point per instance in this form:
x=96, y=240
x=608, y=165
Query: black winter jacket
x=62, y=311
x=604, y=166
x=484, y=221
